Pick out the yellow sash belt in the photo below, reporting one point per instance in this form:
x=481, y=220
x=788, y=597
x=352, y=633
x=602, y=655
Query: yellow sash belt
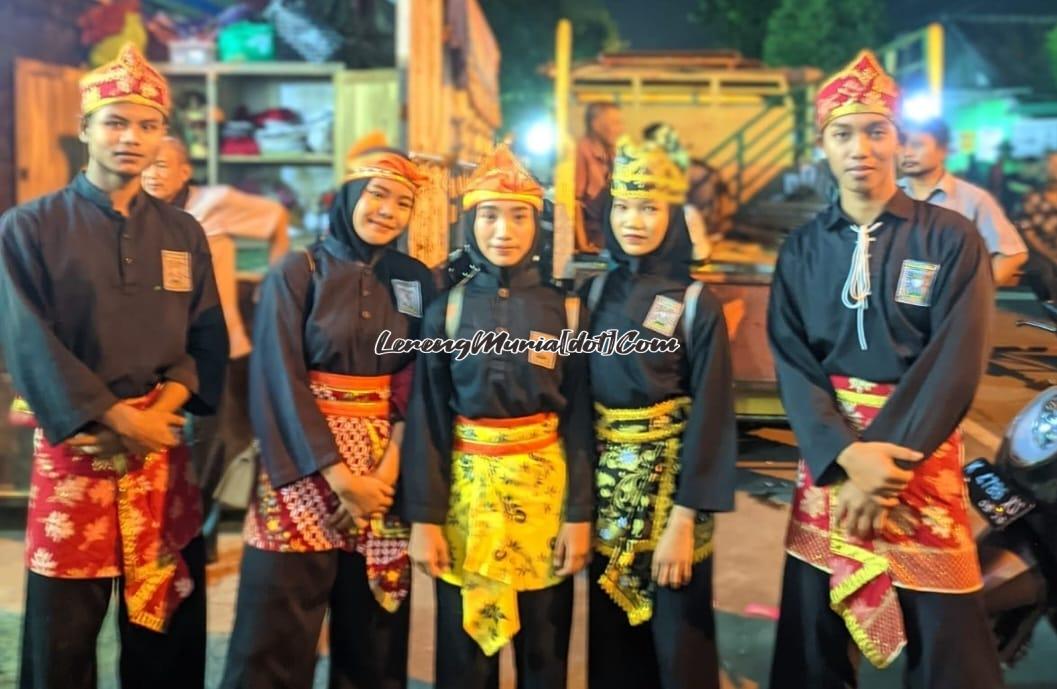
x=506, y=507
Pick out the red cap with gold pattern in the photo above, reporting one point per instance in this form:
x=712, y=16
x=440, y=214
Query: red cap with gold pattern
x=500, y=177
x=861, y=87
x=372, y=156
x=128, y=79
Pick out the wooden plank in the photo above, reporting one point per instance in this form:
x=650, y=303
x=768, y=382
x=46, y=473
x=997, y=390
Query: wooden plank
x=47, y=150
x=292, y=70
x=278, y=159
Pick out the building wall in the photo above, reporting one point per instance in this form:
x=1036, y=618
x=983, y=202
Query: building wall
x=42, y=30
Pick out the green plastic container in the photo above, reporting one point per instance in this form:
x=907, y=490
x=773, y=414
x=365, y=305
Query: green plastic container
x=246, y=42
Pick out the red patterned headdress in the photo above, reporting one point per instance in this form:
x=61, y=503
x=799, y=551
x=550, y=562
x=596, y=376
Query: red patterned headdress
x=128, y=79
x=861, y=87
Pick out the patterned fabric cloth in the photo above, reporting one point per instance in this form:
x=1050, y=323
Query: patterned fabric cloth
x=125, y=516
x=1039, y=217
x=292, y=519
x=862, y=86
x=507, y=498
x=635, y=483
x=372, y=157
x=647, y=171
x=926, y=543
x=500, y=176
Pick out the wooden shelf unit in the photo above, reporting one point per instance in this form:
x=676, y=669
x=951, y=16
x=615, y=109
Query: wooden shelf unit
x=305, y=88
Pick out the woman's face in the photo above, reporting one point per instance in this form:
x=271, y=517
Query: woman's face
x=639, y=224
x=382, y=211
x=505, y=231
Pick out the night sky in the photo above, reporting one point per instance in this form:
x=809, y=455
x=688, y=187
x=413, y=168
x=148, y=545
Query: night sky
x=663, y=24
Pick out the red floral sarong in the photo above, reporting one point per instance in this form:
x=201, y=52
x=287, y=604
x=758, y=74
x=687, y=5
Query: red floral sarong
x=925, y=545
x=125, y=516
x=292, y=519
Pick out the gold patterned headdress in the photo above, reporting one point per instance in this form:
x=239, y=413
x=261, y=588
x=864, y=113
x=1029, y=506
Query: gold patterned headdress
x=127, y=79
x=647, y=171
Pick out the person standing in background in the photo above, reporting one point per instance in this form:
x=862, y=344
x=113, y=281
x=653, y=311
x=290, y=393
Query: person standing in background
x=1038, y=222
x=226, y=214
x=594, y=169
x=924, y=164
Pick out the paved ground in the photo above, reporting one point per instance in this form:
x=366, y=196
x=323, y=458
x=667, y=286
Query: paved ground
x=748, y=566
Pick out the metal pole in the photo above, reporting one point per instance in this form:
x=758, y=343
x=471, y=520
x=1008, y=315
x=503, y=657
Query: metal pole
x=565, y=155
x=403, y=62
x=934, y=61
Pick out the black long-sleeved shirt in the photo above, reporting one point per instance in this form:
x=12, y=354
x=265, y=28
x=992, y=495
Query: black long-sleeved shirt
x=931, y=343
x=327, y=319
x=709, y=444
x=98, y=307
x=496, y=386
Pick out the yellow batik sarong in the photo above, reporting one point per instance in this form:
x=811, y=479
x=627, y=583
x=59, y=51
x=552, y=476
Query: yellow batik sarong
x=507, y=497
x=635, y=488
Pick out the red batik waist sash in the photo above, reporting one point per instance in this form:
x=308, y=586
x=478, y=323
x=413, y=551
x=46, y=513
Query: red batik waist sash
x=129, y=516
x=293, y=518
x=926, y=543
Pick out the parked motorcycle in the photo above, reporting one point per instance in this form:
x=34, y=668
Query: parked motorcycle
x=1017, y=496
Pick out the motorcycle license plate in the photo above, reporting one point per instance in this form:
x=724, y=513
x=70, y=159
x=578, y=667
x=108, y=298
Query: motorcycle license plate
x=993, y=496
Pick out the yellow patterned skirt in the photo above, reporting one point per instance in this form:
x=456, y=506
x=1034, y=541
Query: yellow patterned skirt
x=507, y=497
x=635, y=487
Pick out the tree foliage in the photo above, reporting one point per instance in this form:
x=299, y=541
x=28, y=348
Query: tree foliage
x=1051, y=52
x=822, y=33
x=737, y=24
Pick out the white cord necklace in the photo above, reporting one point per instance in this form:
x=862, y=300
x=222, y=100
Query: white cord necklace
x=856, y=291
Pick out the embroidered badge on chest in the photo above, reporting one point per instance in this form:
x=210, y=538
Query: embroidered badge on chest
x=663, y=315
x=175, y=271
x=544, y=359
x=408, y=297
x=915, y=282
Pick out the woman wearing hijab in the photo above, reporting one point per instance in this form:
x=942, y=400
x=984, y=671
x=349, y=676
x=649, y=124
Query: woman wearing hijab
x=320, y=533
x=665, y=423
x=665, y=136
x=498, y=472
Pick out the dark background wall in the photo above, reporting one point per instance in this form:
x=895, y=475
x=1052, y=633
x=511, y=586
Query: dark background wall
x=42, y=30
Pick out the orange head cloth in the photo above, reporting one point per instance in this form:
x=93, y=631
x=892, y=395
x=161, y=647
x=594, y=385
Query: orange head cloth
x=128, y=79
x=500, y=177
x=372, y=156
x=861, y=87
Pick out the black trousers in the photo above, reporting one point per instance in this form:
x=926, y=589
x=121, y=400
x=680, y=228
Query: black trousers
x=62, y=622
x=541, y=646
x=282, y=600
x=949, y=644
x=216, y=440
x=676, y=649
